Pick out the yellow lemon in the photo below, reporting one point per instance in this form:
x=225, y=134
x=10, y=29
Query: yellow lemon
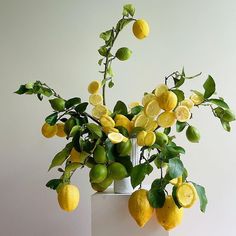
x=169, y=216
x=186, y=195
x=139, y=207
x=197, y=99
x=160, y=89
x=147, y=98
x=60, y=130
x=176, y=181
x=95, y=99
x=167, y=101
x=68, y=197
x=150, y=138
x=141, y=120
x=188, y=103
x=123, y=121
x=108, y=130
x=134, y=104
x=152, y=109
x=107, y=121
x=140, y=29
x=141, y=138
x=182, y=113
x=115, y=137
x=99, y=110
x=48, y=131
x=151, y=125
x=94, y=86
x=166, y=119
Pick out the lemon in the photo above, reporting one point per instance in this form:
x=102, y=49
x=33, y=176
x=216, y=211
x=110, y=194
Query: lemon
x=100, y=155
x=95, y=99
x=193, y=134
x=151, y=125
x=98, y=173
x=60, y=130
x=108, y=130
x=124, y=148
x=169, y=216
x=161, y=138
x=107, y=121
x=101, y=187
x=188, y=103
x=166, y=119
x=150, y=138
x=68, y=197
x=121, y=120
x=160, y=89
x=117, y=171
x=141, y=138
x=196, y=99
x=140, y=29
x=99, y=110
x=182, y=113
x=139, y=207
x=123, y=54
x=147, y=98
x=134, y=104
x=176, y=181
x=167, y=101
x=152, y=109
x=115, y=137
x=141, y=120
x=186, y=195
x=94, y=87
x=58, y=104
x=48, y=131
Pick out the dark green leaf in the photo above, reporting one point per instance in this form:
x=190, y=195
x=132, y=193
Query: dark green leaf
x=175, y=197
x=218, y=102
x=176, y=167
x=71, y=102
x=52, y=119
x=209, y=86
x=95, y=130
x=120, y=108
x=135, y=131
x=103, y=51
x=179, y=82
x=111, y=150
x=184, y=175
x=180, y=126
x=100, y=61
x=167, y=130
x=40, y=96
x=21, y=90
x=225, y=125
x=128, y=9
x=179, y=94
x=110, y=84
x=123, y=131
x=53, y=183
x=136, y=110
x=126, y=162
x=156, y=197
x=81, y=107
x=159, y=183
x=202, y=196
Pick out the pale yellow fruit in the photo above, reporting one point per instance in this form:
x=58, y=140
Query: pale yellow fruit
x=107, y=121
x=99, y=111
x=150, y=138
x=108, y=130
x=139, y=207
x=141, y=138
x=147, y=98
x=60, y=130
x=186, y=195
x=152, y=109
x=197, y=100
x=68, y=197
x=176, y=181
x=48, y=131
x=140, y=29
x=115, y=137
x=167, y=101
x=169, y=216
x=166, y=119
x=95, y=99
x=123, y=121
x=141, y=120
x=188, y=103
x=94, y=87
x=182, y=113
x=134, y=104
x=160, y=89
x=151, y=125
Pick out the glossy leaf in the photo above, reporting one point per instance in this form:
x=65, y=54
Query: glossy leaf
x=54, y=183
x=156, y=197
x=176, y=167
x=72, y=102
x=209, y=87
x=120, y=108
x=52, y=119
x=180, y=126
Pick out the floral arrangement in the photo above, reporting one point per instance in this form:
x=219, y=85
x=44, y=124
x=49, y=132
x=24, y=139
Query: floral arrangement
x=101, y=140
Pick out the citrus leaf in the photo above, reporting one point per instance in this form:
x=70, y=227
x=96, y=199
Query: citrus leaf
x=122, y=23
x=72, y=166
x=21, y=90
x=156, y=197
x=180, y=126
x=174, y=189
x=110, y=150
x=176, y=167
x=225, y=125
x=52, y=119
x=106, y=35
x=136, y=110
x=71, y=102
x=126, y=162
x=179, y=82
x=103, y=51
x=100, y=61
x=120, y=108
x=128, y=9
x=198, y=93
x=95, y=130
x=218, y=102
x=135, y=131
x=179, y=94
x=167, y=130
x=209, y=86
x=81, y=107
x=53, y=183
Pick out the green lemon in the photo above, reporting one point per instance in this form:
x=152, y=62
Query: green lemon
x=69, y=124
x=58, y=104
x=90, y=162
x=124, y=148
x=97, y=187
x=193, y=134
x=98, y=173
x=101, y=187
x=99, y=155
x=161, y=139
x=228, y=116
x=123, y=54
x=117, y=171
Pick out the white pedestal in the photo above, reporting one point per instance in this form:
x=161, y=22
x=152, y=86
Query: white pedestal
x=110, y=216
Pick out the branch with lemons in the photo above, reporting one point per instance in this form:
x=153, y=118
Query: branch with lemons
x=101, y=140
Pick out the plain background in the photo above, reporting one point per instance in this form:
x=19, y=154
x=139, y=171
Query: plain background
x=56, y=41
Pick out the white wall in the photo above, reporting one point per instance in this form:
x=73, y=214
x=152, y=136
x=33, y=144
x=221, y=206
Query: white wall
x=56, y=41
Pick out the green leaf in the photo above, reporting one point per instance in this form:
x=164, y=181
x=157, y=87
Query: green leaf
x=167, y=130
x=120, y=108
x=72, y=166
x=174, y=189
x=123, y=131
x=103, y=51
x=21, y=90
x=198, y=93
x=110, y=71
x=106, y=35
x=126, y=162
x=225, y=125
x=95, y=130
x=81, y=107
x=122, y=23
x=180, y=126
x=52, y=119
x=40, y=96
x=54, y=183
x=209, y=86
x=110, y=84
x=179, y=94
x=74, y=130
x=179, y=82
x=138, y=173
x=128, y=9
x=218, y=102
x=72, y=102
x=136, y=110
x=202, y=196
x=46, y=92
x=135, y=131
x=159, y=183
x=156, y=197
x=184, y=175
x=100, y=61
x=110, y=150
x=176, y=167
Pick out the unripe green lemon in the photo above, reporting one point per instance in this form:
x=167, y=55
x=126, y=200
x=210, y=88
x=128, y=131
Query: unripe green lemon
x=99, y=155
x=57, y=104
x=193, y=134
x=98, y=173
x=123, y=54
x=101, y=187
x=124, y=148
x=117, y=171
x=161, y=138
